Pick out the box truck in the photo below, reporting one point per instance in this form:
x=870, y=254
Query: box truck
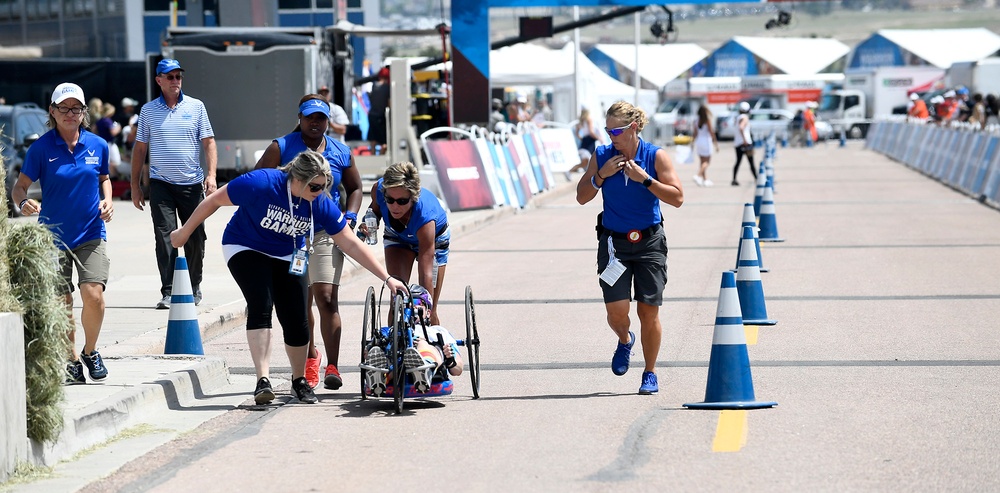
x=872, y=93
x=251, y=80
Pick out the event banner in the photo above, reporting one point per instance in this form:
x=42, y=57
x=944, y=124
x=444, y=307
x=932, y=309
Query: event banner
x=524, y=168
x=461, y=173
x=483, y=147
x=560, y=147
x=519, y=179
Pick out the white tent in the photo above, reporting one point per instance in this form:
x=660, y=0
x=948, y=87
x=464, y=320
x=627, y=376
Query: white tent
x=943, y=47
x=659, y=64
x=533, y=65
x=795, y=56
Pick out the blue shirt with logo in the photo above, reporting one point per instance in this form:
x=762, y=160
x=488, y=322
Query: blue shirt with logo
x=627, y=204
x=337, y=154
x=264, y=223
x=71, y=187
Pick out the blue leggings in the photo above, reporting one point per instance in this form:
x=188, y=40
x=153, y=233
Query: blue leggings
x=267, y=285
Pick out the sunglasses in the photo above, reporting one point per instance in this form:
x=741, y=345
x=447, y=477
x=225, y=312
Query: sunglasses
x=615, y=132
x=173, y=77
x=316, y=187
x=78, y=110
x=402, y=201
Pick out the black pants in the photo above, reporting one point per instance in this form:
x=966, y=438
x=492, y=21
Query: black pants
x=739, y=158
x=267, y=285
x=168, y=203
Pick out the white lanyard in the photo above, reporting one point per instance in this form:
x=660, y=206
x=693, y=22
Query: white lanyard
x=291, y=210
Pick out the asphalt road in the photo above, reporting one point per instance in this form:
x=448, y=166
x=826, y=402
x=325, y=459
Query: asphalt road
x=884, y=362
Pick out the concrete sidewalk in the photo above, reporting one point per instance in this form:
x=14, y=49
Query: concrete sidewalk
x=145, y=388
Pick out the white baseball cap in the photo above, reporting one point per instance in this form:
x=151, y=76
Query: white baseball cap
x=913, y=96
x=744, y=106
x=68, y=90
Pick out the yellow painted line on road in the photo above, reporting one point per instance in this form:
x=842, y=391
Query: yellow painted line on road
x=731, y=432
x=751, y=333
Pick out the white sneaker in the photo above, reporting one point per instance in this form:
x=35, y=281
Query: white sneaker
x=699, y=181
x=709, y=183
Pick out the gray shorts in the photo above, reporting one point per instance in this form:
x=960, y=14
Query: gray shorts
x=645, y=265
x=91, y=261
x=326, y=263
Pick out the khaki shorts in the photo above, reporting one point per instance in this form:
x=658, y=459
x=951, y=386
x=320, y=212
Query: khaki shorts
x=326, y=263
x=92, y=265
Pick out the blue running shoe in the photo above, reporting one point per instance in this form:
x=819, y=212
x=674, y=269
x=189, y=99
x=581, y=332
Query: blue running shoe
x=620, y=361
x=649, y=385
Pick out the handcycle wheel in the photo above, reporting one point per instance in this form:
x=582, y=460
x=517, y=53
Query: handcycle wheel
x=368, y=329
x=472, y=340
x=398, y=370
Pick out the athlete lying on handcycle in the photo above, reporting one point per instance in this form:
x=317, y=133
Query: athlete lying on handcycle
x=434, y=350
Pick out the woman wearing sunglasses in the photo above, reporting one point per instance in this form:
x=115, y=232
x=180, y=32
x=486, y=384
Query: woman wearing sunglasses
x=634, y=176
x=327, y=263
x=416, y=228
x=267, y=245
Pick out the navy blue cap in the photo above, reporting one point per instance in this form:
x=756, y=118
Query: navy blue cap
x=168, y=65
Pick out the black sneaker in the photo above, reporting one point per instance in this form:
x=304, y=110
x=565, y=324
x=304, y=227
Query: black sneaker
x=95, y=365
x=74, y=373
x=302, y=390
x=263, y=394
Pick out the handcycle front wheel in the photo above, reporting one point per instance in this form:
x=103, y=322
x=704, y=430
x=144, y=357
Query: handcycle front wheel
x=472, y=341
x=368, y=329
x=398, y=370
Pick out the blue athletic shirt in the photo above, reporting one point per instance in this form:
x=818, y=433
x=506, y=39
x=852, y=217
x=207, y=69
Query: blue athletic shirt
x=632, y=206
x=174, y=137
x=263, y=222
x=337, y=154
x=70, y=186
x=426, y=209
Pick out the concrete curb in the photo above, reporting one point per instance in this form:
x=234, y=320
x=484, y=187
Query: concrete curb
x=184, y=380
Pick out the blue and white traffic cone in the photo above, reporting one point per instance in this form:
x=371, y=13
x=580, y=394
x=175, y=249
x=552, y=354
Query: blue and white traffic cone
x=183, y=331
x=730, y=384
x=784, y=139
x=748, y=284
x=758, y=196
x=749, y=220
x=768, y=222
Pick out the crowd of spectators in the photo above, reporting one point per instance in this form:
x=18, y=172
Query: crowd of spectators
x=956, y=105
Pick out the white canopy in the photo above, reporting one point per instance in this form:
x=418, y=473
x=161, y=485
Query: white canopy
x=659, y=64
x=532, y=65
x=943, y=47
x=795, y=56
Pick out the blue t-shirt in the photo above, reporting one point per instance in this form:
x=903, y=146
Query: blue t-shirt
x=426, y=209
x=632, y=206
x=337, y=154
x=71, y=186
x=263, y=221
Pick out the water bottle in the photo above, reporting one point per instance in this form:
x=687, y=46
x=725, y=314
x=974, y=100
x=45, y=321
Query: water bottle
x=371, y=222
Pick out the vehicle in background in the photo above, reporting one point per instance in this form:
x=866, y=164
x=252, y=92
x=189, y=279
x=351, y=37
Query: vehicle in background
x=250, y=79
x=20, y=125
x=872, y=93
x=678, y=113
x=789, y=92
x=982, y=76
x=767, y=121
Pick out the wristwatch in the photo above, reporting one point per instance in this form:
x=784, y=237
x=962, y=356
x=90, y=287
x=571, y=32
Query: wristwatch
x=647, y=182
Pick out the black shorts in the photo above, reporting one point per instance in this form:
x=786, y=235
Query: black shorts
x=645, y=267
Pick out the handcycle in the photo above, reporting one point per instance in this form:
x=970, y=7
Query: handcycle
x=406, y=324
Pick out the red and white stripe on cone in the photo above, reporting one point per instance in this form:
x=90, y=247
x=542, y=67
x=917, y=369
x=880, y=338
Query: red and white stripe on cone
x=748, y=284
x=768, y=220
x=183, y=331
x=749, y=220
x=730, y=385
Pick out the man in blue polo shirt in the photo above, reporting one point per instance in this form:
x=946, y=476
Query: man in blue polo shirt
x=172, y=129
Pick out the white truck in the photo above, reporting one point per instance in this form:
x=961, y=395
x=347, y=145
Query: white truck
x=251, y=80
x=787, y=92
x=981, y=76
x=872, y=93
x=678, y=113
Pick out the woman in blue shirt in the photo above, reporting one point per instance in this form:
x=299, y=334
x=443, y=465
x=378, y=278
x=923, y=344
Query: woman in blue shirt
x=72, y=166
x=328, y=261
x=634, y=177
x=416, y=228
x=267, y=244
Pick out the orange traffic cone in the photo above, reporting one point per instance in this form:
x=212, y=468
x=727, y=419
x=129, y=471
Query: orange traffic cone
x=730, y=385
